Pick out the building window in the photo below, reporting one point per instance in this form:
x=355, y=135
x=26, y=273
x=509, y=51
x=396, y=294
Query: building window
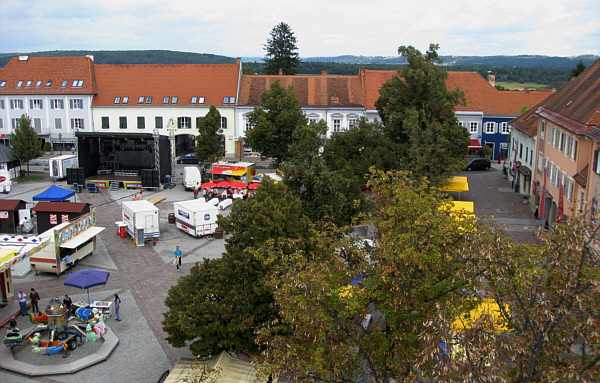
x=105, y=122
x=555, y=177
x=194, y=100
x=141, y=100
x=1, y=104
x=574, y=149
x=20, y=83
x=200, y=100
x=166, y=100
x=57, y=123
x=117, y=100
x=526, y=154
x=36, y=103
x=28, y=84
x=76, y=124
x=569, y=191
x=37, y=125
x=125, y=99
x=158, y=122
x=232, y=100
x=337, y=124
x=461, y=123
x=174, y=99
x=48, y=84
x=247, y=124
x=76, y=103
x=16, y=104
x=2, y=84
x=141, y=120
x=223, y=124
x=490, y=127
x=149, y=100
x=520, y=150
x=57, y=104
x=1, y=124
x=543, y=129
x=38, y=83
x=16, y=122
x=64, y=83
x=122, y=122
x=351, y=123
x=77, y=83
x=184, y=122
x=540, y=160
x=474, y=127
x=225, y=100
x=505, y=128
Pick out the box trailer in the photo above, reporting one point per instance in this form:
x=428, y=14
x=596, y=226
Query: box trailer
x=59, y=165
x=76, y=239
x=196, y=217
x=141, y=220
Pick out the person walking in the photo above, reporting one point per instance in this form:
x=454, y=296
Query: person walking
x=35, y=297
x=117, y=307
x=196, y=190
x=177, y=253
x=22, y=302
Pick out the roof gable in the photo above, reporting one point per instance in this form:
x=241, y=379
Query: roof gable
x=184, y=81
x=47, y=75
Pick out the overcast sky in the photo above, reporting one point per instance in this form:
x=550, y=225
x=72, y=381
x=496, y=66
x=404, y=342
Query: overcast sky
x=323, y=28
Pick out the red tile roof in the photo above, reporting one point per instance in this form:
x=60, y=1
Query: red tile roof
x=576, y=106
x=211, y=81
x=10, y=204
x=44, y=69
x=480, y=95
x=528, y=121
x=312, y=90
x=60, y=207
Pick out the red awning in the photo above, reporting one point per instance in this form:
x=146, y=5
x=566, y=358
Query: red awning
x=228, y=172
x=474, y=144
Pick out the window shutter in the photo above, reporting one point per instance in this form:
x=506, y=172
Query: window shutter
x=179, y=122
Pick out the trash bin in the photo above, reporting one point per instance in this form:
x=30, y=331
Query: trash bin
x=218, y=233
x=171, y=217
x=167, y=179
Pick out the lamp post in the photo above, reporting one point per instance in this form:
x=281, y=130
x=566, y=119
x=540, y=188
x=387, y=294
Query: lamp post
x=60, y=142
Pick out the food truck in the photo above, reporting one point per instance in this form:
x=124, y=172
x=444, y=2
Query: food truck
x=76, y=238
x=59, y=165
x=196, y=217
x=140, y=219
x=233, y=171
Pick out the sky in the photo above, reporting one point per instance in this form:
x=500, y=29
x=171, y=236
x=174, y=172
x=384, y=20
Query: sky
x=323, y=28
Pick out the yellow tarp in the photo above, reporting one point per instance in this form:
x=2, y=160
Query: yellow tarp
x=487, y=307
x=455, y=184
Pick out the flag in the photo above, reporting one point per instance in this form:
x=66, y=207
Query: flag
x=543, y=199
x=560, y=214
x=534, y=190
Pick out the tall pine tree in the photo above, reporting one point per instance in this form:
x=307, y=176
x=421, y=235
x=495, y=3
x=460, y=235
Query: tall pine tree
x=282, y=51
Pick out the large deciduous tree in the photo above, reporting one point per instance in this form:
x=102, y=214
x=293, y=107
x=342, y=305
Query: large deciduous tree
x=282, y=51
x=418, y=114
x=209, y=142
x=25, y=142
x=274, y=121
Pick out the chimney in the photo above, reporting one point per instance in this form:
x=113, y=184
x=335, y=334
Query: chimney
x=492, y=79
x=324, y=73
x=23, y=58
x=281, y=72
x=362, y=70
x=238, y=61
x=91, y=57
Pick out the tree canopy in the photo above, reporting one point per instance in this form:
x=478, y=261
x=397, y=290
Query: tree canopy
x=274, y=122
x=578, y=69
x=25, y=142
x=282, y=51
x=209, y=142
x=417, y=111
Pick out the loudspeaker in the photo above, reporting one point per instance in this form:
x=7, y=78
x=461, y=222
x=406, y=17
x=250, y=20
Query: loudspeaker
x=75, y=176
x=150, y=178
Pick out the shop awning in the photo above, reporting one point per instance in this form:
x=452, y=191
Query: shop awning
x=474, y=144
x=229, y=172
x=82, y=238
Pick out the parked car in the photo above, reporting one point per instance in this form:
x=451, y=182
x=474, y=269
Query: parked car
x=189, y=158
x=479, y=164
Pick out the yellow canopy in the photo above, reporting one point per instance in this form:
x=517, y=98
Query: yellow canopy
x=487, y=307
x=6, y=257
x=455, y=184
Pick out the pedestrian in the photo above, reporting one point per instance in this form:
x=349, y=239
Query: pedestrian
x=22, y=302
x=35, y=297
x=68, y=302
x=117, y=307
x=69, y=263
x=177, y=257
x=196, y=190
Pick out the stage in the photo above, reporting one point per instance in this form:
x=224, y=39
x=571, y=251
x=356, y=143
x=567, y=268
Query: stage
x=129, y=180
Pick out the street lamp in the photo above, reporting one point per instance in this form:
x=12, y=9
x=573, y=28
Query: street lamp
x=60, y=142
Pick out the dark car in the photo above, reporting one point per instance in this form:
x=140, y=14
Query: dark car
x=189, y=158
x=479, y=164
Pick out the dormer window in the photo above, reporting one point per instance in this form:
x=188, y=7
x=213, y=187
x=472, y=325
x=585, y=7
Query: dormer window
x=174, y=100
x=28, y=84
x=125, y=99
x=141, y=100
x=149, y=100
x=2, y=84
x=194, y=100
x=166, y=100
x=20, y=84
x=117, y=100
x=48, y=84
x=200, y=100
x=77, y=83
x=64, y=83
x=38, y=83
x=228, y=100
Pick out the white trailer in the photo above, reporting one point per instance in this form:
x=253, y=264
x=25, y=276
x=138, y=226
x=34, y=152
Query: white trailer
x=59, y=165
x=141, y=220
x=5, y=182
x=196, y=217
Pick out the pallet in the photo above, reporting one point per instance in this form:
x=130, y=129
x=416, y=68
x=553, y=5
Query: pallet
x=156, y=199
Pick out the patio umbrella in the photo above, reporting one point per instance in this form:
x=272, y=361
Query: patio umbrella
x=239, y=185
x=223, y=184
x=254, y=186
x=208, y=185
x=87, y=278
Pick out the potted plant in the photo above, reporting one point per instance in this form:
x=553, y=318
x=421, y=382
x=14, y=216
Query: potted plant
x=526, y=198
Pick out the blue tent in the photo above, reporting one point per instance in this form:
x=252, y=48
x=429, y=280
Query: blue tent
x=54, y=194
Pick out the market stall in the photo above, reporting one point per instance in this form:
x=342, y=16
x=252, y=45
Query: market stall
x=232, y=171
x=9, y=215
x=51, y=214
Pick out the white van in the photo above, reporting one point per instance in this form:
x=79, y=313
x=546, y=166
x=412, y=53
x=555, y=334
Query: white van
x=191, y=177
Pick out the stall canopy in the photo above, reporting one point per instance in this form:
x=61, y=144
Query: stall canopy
x=54, y=193
x=229, y=172
x=474, y=144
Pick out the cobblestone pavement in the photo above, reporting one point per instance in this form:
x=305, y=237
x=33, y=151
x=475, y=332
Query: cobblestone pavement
x=143, y=275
